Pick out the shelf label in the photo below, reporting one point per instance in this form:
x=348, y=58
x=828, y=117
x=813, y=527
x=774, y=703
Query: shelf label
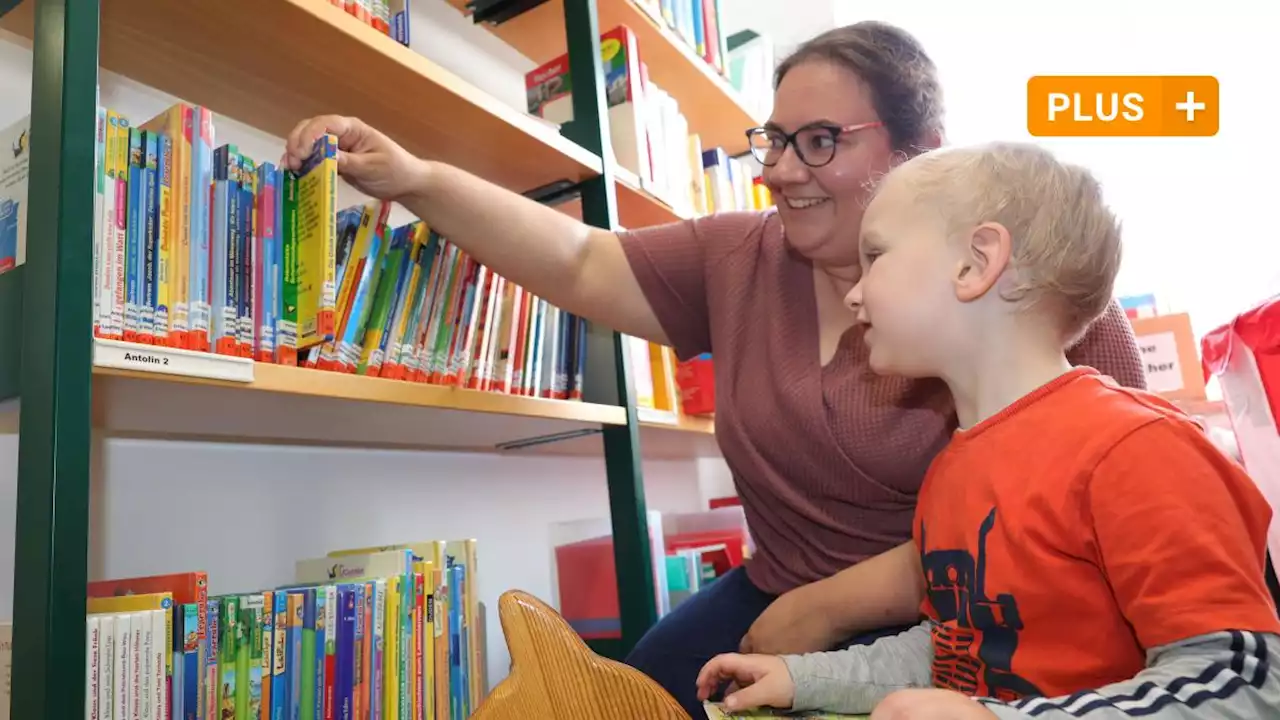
x=171, y=361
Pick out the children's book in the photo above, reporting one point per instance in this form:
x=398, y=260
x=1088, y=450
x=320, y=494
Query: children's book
x=14, y=169
x=717, y=711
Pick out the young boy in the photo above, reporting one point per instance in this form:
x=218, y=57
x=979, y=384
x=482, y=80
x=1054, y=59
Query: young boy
x=1085, y=550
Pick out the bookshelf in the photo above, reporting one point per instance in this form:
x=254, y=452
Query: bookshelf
x=229, y=66
x=289, y=405
x=712, y=105
x=207, y=54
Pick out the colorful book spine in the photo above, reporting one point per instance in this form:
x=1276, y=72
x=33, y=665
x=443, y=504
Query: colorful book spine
x=249, y=257
x=150, y=333
x=212, y=658
x=268, y=654
x=267, y=270
x=306, y=681
x=280, y=658
x=202, y=173
x=345, y=662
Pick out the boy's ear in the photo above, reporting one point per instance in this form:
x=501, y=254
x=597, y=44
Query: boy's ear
x=986, y=255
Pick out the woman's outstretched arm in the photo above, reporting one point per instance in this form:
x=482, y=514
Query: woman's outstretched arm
x=572, y=265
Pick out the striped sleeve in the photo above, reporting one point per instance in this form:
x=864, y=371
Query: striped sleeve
x=1229, y=674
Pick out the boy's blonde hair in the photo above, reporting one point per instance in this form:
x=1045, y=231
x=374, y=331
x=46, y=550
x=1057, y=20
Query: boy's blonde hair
x=1065, y=239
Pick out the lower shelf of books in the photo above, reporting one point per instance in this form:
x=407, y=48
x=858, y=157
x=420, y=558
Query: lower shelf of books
x=394, y=631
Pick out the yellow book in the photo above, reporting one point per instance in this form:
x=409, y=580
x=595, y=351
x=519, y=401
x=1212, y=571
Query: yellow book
x=429, y=550
x=391, y=650
x=666, y=396
x=139, y=603
x=424, y=639
x=439, y=633
x=317, y=242
x=166, y=260
x=176, y=124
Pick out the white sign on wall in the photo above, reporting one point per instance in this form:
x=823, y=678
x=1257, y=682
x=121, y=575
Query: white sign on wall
x=1160, y=361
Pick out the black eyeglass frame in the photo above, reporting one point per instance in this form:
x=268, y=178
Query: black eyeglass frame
x=790, y=139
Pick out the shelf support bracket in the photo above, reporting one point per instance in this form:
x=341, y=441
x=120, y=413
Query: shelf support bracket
x=496, y=12
x=637, y=601
x=52, y=538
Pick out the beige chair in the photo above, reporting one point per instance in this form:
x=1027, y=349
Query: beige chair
x=555, y=676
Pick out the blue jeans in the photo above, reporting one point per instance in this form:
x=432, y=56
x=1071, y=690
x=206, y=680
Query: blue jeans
x=712, y=621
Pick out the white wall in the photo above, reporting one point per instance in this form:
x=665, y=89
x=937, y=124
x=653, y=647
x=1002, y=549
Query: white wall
x=1200, y=228
x=167, y=507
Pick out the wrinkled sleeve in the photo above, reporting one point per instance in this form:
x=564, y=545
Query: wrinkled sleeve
x=671, y=262
x=856, y=679
x=1110, y=347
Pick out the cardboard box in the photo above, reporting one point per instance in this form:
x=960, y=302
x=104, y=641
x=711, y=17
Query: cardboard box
x=1169, y=356
x=1244, y=354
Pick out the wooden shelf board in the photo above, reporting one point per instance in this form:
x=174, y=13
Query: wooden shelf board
x=637, y=207
x=690, y=439
x=287, y=405
x=300, y=58
x=705, y=97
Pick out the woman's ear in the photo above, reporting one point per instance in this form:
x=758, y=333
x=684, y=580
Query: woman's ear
x=986, y=255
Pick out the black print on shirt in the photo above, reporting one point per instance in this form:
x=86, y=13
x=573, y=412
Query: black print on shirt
x=956, y=584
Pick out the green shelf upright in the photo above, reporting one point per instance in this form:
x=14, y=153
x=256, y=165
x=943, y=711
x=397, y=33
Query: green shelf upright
x=54, y=377
x=590, y=129
x=10, y=331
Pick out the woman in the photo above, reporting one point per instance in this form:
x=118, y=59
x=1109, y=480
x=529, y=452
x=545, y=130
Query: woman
x=826, y=456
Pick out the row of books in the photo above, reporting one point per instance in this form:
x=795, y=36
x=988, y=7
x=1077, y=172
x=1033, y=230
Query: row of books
x=649, y=135
x=744, y=58
x=388, y=16
x=387, y=633
x=199, y=247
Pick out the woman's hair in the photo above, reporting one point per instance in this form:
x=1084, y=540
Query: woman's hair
x=891, y=62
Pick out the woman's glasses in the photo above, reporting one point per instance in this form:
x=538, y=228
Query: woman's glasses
x=815, y=144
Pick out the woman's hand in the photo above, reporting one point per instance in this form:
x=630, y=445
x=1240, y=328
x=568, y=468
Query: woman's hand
x=793, y=624
x=930, y=705
x=370, y=161
x=756, y=681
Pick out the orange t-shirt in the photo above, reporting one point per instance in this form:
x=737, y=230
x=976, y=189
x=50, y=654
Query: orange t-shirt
x=1078, y=527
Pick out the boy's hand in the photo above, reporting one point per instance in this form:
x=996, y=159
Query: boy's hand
x=930, y=705
x=757, y=681
x=792, y=625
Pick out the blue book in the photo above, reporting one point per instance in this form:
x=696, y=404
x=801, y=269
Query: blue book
x=279, y=657
x=150, y=217
x=135, y=252
x=459, y=683
x=345, y=653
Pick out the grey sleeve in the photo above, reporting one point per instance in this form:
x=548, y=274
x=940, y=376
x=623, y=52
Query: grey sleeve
x=1230, y=674
x=855, y=680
